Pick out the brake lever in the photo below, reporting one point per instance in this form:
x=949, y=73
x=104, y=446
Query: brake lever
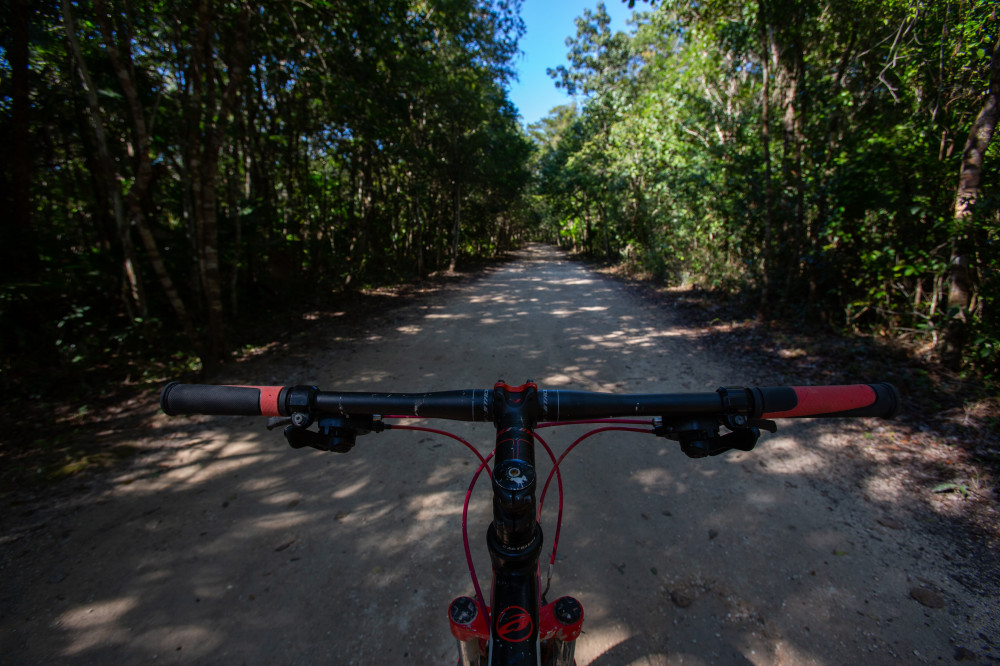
x=302, y=437
x=700, y=437
x=336, y=434
x=278, y=421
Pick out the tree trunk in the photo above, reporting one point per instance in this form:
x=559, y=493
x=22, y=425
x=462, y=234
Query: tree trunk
x=765, y=115
x=419, y=242
x=122, y=65
x=456, y=230
x=607, y=239
x=794, y=141
x=209, y=110
x=19, y=257
x=107, y=170
x=788, y=66
x=963, y=273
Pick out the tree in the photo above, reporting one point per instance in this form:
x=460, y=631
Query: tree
x=799, y=151
x=598, y=71
x=964, y=241
x=228, y=153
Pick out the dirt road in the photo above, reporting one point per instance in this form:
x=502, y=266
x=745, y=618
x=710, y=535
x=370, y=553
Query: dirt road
x=228, y=547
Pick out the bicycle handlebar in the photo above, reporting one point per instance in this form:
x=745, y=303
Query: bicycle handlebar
x=880, y=400
x=514, y=538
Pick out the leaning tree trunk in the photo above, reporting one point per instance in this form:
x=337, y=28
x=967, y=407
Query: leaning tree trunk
x=962, y=272
x=209, y=111
x=107, y=170
x=18, y=253
x=456, y=228
x=765, y=127
x=121, y=62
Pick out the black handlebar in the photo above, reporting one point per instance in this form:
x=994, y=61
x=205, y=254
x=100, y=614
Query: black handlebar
x=880, y=400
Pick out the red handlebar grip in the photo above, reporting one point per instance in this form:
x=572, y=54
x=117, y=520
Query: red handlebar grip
x=220, y=400
x=854, y=400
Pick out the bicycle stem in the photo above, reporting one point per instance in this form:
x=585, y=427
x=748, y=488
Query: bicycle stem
x=514, y=538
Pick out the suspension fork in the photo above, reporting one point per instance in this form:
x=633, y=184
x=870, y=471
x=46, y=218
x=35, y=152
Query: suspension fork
x=517, y=626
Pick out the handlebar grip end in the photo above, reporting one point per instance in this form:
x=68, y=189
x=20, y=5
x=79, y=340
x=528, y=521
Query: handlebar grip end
x=889, y=394
x=164, y=400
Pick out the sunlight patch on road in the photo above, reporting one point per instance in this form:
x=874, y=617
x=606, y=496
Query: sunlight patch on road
x=494, y=298
x=681, y=332
x=346, y=491
x=620, y=340
x=224, y=459
x=262, y=483
x=763, y=652
x=95, y=624
x=557, y=379
x=280, y=521
x=287, y=498
x=572, y=281
x=569, y=312
x=885, y=488
x=577, y=377
x=653, y=480
x=788, y=456
x=762, y=499
x=190, y=640
x=215, y=455
x=449, y=317
x=435, y=505
x=364, y=380
x=600, y=639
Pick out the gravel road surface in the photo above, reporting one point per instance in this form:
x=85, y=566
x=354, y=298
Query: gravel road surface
x=225, y=546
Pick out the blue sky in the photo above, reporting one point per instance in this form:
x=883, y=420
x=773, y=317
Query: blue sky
x=548, y=23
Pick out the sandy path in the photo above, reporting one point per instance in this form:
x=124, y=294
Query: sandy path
x=232, y=548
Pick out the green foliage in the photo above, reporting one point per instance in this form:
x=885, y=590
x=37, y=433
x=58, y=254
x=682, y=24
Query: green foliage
x=803, y=152
x=334, y=146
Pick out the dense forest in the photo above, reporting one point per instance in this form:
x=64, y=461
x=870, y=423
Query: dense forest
x=171, y=167
x=827, y=159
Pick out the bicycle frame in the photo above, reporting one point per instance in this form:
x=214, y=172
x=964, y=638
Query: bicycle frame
x=519, y=628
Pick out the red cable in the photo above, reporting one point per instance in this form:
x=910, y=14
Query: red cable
x=558, y=472
x=555, y=541
x=446, y=434
x=468, y=495
x=555, y=470
x=551, y=424
x=465, y=537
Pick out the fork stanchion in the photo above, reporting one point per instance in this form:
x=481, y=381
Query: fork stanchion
x=469, y=627
x=562, y=623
